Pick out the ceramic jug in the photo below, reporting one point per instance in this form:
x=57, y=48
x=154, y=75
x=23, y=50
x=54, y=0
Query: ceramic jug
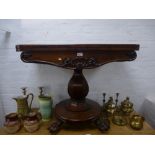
x=12, y=123
x=23, y=107
x=45, y=104
x=32, y=121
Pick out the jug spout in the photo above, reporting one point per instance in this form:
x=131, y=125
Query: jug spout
x=14, y=98
x=19, y=98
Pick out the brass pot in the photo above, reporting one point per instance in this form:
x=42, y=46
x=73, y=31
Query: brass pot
x=110, y=106
x=136, y=122
x=127, y=106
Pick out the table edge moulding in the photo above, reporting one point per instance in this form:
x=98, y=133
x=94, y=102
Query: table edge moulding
x=78, y=111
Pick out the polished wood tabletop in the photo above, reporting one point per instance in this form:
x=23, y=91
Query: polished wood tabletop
x=114, y=130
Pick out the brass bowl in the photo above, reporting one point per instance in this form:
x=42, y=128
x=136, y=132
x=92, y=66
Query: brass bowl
x=119, y=120
x=136, y=122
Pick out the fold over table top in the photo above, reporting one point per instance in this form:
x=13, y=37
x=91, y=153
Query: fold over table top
x=72, y=55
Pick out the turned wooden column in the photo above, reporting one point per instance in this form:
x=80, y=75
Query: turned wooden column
x=78, y=89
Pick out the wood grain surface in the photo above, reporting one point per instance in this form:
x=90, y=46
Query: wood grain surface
x=114, y=130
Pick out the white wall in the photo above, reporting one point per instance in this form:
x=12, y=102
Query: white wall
x=135, y=79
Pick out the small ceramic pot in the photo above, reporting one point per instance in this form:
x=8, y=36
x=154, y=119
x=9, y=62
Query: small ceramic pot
x=32, y=121
x=12, y=123
x=45, y=104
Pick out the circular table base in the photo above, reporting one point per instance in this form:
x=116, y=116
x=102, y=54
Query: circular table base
x=67, y=115
x=71, y=118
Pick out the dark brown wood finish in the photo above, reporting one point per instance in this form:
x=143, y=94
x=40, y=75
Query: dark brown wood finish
x=72, y=47
x=67, y=56
x=78, y=110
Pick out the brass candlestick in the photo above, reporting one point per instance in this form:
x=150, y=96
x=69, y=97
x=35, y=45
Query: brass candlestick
x=104, y=94
x=118, y=119
x=117, y=94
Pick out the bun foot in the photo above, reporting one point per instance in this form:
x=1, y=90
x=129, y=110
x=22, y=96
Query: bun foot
x=55, y=127
x=103, y=124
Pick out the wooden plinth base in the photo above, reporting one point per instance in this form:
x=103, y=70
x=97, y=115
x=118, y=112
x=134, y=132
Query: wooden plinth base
x=89, y=115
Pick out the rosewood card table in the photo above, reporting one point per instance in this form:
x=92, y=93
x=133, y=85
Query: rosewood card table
x=78, y=111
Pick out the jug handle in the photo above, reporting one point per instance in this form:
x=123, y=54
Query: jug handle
x=32, y=96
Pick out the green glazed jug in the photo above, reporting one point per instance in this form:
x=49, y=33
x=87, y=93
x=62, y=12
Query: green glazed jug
x=45, y=105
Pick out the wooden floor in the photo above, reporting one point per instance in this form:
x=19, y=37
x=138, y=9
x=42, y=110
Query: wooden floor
x=114, y=130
